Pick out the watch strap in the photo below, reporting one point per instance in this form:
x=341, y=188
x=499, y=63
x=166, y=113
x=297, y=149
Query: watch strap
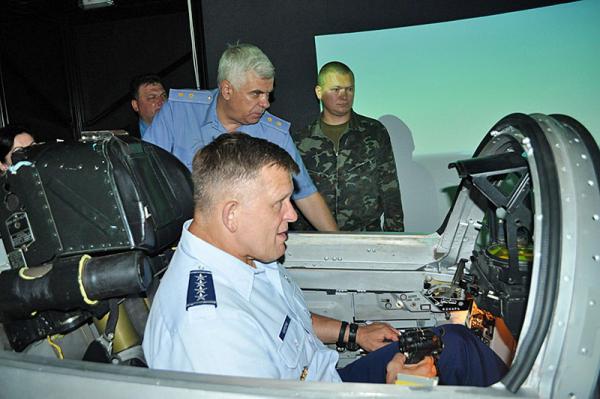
x=352, y=345
x=340, y=345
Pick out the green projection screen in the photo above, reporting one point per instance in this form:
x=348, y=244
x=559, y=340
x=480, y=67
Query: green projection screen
x=439, y=88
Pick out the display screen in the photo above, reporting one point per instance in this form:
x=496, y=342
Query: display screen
x=439, y=88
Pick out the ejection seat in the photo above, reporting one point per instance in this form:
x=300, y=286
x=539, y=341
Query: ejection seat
x=86, y=226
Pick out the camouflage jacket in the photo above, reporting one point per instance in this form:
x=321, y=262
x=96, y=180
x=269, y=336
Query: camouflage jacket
x=359, y=182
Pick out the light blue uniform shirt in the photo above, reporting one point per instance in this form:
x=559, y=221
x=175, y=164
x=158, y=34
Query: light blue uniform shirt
x=188, y=122
x=237, y=321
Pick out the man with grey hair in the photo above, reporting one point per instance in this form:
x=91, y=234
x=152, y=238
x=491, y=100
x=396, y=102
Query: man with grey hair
x=191, y=119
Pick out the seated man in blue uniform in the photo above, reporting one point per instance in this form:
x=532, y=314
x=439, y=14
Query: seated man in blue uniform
x=226, y=306
x=193, y=118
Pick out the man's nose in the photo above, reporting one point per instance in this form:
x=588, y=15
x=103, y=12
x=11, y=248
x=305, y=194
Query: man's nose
x=264, y=101
x=290, y=213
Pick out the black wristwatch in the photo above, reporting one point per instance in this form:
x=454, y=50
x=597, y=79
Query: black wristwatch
x=340, y=345
x=352, y=345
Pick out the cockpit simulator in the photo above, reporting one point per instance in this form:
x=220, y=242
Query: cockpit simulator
x=88, y=227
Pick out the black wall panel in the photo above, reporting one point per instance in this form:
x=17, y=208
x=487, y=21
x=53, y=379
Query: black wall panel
x=109, y=54
x=65, y=69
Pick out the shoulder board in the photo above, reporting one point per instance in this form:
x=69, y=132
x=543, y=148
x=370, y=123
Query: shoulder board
x=271, y=120
x=201, y=289
x=191, y=96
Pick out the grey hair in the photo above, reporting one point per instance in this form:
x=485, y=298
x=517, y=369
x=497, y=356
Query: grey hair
x=240, y=58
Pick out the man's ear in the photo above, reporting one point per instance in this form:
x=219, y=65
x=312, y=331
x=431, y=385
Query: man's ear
x=229, y=215
x=134, y=105
x=226, y=89
x=319, y=92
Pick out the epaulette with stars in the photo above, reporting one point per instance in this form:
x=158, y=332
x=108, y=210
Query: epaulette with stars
x=201, y=289
x=191, y=96
x=275, y=122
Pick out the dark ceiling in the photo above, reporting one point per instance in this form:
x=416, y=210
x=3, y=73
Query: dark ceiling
x=11, y=11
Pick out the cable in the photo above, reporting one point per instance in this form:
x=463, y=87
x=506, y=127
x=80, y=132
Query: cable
x=55, y=346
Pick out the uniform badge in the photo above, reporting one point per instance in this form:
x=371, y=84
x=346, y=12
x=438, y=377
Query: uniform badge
x=201, y=289
x=284, y=327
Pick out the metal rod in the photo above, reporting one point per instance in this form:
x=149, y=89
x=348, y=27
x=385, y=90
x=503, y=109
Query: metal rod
x=3, y=105
x=193, y=42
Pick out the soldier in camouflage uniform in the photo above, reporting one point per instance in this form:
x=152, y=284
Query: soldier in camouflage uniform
x=350, y=159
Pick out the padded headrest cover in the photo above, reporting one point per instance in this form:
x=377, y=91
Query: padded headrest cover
x=105, y=195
